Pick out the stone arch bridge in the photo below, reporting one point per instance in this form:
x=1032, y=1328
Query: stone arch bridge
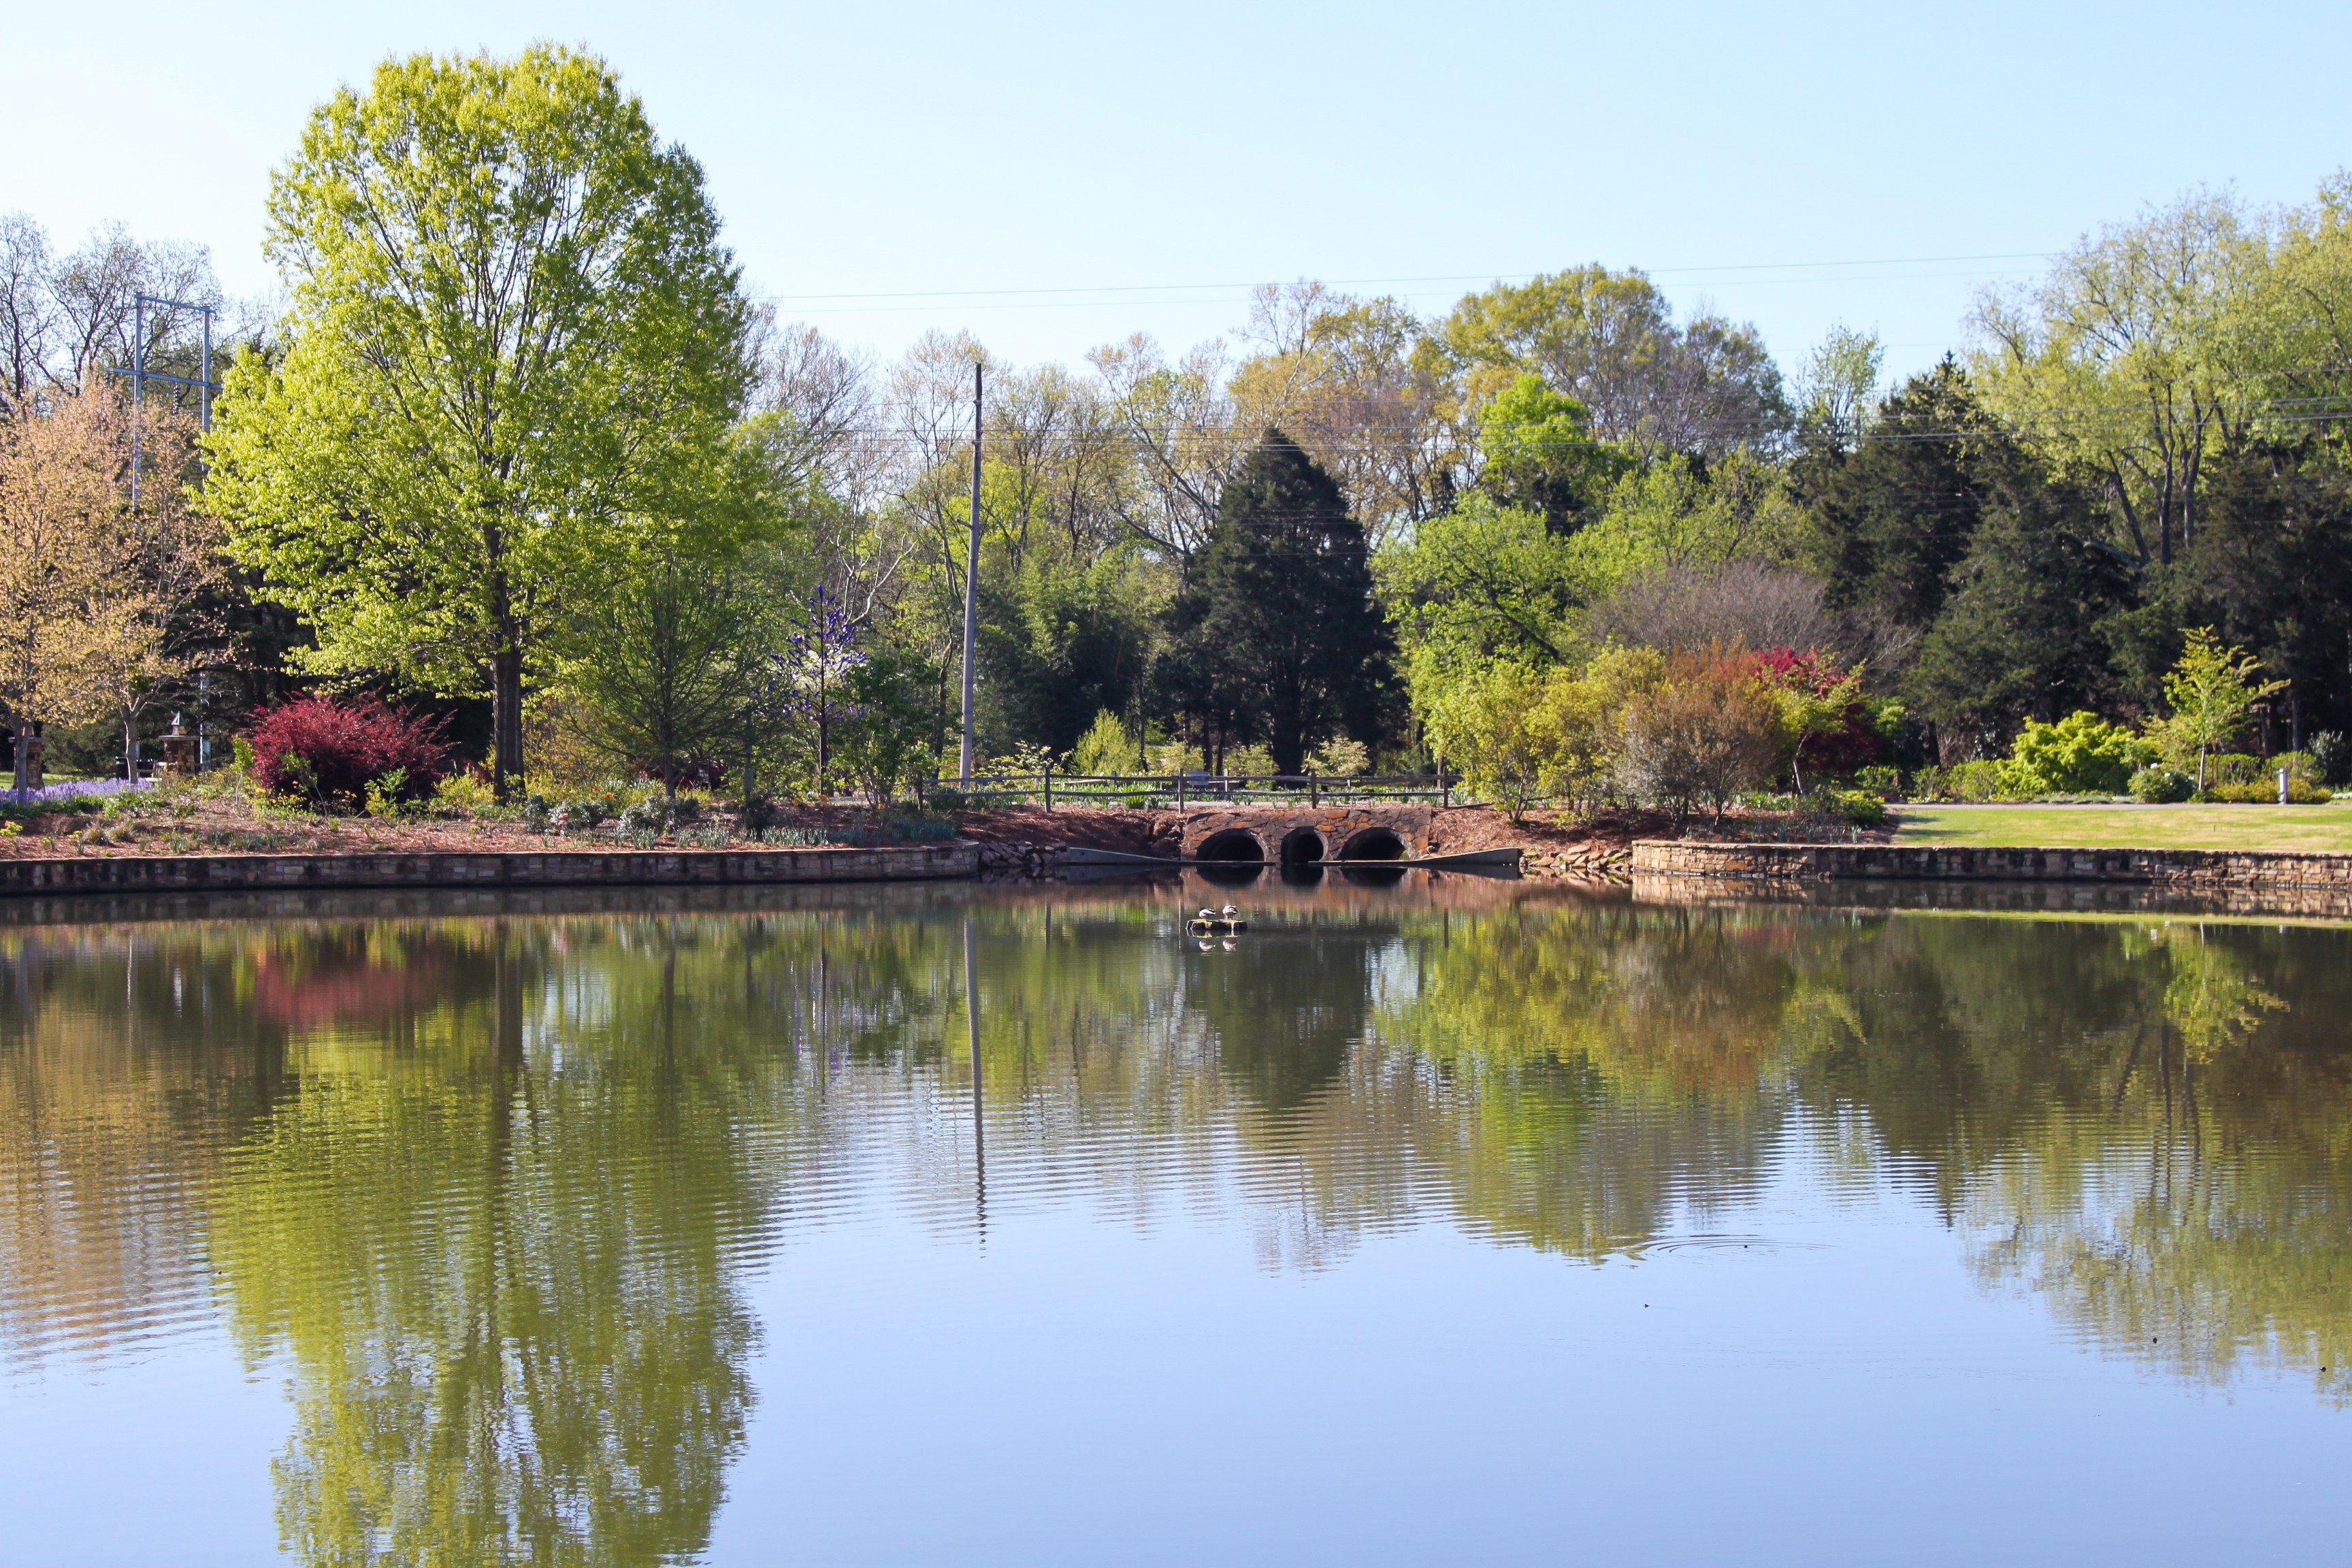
x=1292, y=835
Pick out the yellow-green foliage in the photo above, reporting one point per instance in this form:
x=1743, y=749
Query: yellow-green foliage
x=1341, y=758
x=1675, y=513
x=1253, y=761
x=462, y=794
x=1107, y=749
x=2210, y=692
x=1486, y=723
x=2080, y=754
x=2265, y=792
x=1481, y=582
x=1518, y=733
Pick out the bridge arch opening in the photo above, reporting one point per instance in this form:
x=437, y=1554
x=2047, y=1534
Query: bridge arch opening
x=1301, y=847
x=1234, y=845
x=1231, y=856
x=1377, y=856
x=1374, y=844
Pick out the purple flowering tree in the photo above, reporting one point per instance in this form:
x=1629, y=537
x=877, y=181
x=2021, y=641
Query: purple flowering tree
x=821, y=653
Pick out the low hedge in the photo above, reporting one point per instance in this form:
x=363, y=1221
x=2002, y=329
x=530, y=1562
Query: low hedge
x=2299, y=792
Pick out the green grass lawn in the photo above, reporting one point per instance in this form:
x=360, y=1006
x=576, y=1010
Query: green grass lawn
x=2131, y=826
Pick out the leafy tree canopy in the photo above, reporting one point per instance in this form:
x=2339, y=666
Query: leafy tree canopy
x=1893, y=519
x=1540, y=454
x=1482, y=582
x=513, y=324
x=1610, y=340
x=1275, y=631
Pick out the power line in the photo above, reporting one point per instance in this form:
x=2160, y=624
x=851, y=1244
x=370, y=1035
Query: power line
x=1141, y=288
x=2306, y=410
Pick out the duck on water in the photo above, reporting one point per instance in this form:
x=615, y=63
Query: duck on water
x=1208, y=924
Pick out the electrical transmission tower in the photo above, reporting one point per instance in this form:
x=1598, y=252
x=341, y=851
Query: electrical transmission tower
x=140, y=375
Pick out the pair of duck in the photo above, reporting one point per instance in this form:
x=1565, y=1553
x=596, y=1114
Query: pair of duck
x=1208, y=924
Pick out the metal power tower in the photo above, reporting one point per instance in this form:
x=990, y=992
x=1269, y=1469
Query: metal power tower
x=140, y=375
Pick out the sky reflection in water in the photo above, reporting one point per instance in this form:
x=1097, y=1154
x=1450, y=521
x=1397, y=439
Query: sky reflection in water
x=1466, y=1222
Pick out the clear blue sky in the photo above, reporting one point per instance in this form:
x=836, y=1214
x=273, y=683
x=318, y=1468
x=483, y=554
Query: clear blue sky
x=947, y=150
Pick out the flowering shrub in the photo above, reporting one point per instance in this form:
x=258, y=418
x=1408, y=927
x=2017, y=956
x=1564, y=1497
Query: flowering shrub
x=327, y=751
x=69, y=796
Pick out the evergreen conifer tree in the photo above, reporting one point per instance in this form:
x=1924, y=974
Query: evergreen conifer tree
x=1275, y=635
x=1895, y=518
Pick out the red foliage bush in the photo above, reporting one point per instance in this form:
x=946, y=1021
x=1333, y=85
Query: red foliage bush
x=328, y=750
x=1855, y=742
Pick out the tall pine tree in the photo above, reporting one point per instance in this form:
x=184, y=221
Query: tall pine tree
x=1276, y=636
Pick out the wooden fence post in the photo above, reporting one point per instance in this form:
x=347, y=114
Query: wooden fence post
x=1049, y=787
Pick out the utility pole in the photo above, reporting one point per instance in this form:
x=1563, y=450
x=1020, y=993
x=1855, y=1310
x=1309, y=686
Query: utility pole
x=138, y=391
x=971, y=586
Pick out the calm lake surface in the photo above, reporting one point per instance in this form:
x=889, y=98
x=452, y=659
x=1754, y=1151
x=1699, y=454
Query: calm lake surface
x=1448, y=1222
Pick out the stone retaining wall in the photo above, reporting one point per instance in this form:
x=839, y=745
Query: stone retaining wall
x=524, y=868
x=1585, y=862
x=1983, y=863
x=2201, y=900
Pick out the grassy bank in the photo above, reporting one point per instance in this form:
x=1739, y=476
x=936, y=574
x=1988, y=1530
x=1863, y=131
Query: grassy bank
x=2131, y=826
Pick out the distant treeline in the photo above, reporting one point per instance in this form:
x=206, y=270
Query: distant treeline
x=528, y=450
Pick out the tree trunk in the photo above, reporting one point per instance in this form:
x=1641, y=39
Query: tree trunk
x=1288, y=744
x=23, y=759
x=130, y=749
x=505, y=720
x=506, y=672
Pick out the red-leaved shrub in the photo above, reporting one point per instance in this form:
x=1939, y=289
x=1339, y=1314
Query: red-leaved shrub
x=327, y=750
x=1852, y=741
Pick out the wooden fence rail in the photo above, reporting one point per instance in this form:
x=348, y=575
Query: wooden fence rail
x=1143, y=790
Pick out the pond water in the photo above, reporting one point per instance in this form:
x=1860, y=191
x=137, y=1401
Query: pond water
x=1445, y=1222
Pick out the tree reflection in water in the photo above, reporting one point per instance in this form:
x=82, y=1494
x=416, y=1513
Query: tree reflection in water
x=492, y=1235
x=486, y=1185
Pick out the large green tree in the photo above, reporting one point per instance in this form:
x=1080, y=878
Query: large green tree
x=1481, y=582
x=1541, y=455
x=2026, y=628
x=513, y=325
x=2271, y=567
x=1705, y=386
x=1895, y=516
x=1063, y=640
x=1274, y=629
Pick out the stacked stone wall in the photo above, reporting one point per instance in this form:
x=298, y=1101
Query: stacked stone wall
x=1990, y=863
x=528, y=868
